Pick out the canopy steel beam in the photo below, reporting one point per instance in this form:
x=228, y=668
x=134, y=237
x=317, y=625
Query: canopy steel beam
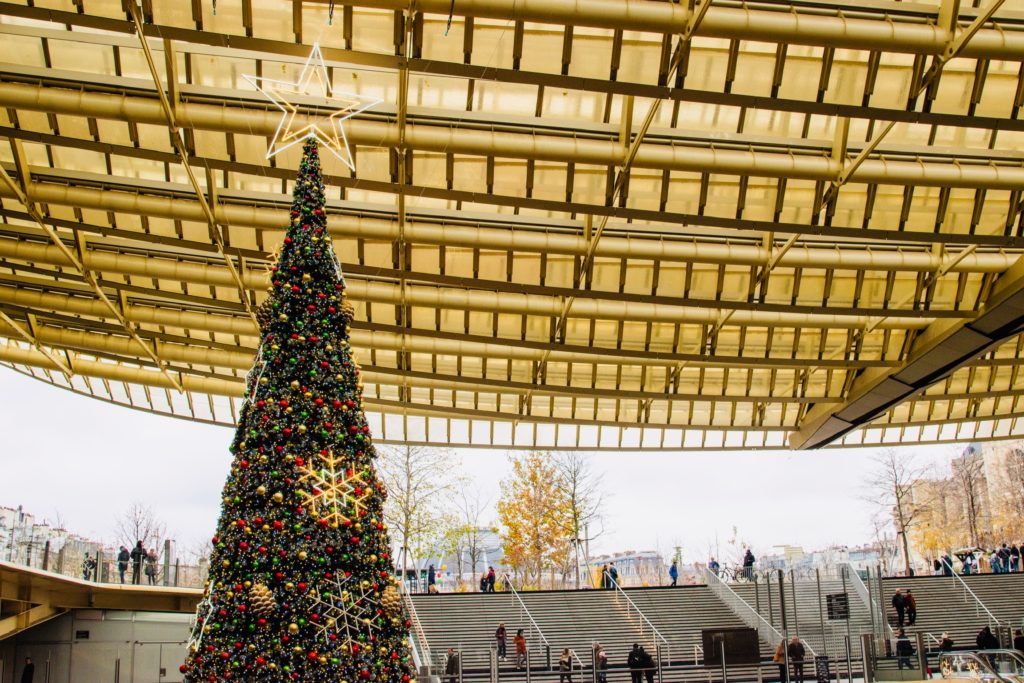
x=447, y=298
x=791, y=25
x=212, y=44
x=64, y=255
x=177, y=140
x=935, y=354
x=458, y=139
x=387, y=337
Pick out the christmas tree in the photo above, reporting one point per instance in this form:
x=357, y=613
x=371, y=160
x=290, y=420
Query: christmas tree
x=300, y=586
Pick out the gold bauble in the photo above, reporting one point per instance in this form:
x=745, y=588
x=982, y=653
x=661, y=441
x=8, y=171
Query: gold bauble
x=293, y=628
x=283, y=318
x=295, y=384
x=247, y=584
x=303, y=555
x=278, y=497
x=302, y=429
x=306, y=277
x=262, y=490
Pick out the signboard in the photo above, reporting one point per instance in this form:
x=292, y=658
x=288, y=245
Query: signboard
x=838, y=606
x=821, y=671
x=740, y=645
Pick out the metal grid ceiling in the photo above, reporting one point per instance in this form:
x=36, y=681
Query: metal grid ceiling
x=612, y=224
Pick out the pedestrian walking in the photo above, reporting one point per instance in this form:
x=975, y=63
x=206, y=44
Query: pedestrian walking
x=673, y=574
x=947, y=565
x=613, y=575
x=431, y=578
x=483, y=582
x=899, y=603
x=499, y=636
x=1014, y=558
x=520, y=642
x=29, y=672
x=565, y=667
x=633, y=661
x=451, y=666
x=138, y=557
x=780, y=659
x=904, y=650
x=945, y=643
x=937, y=567
x=123, y=557
x=605, y=579
x=490, y=579
x=714, y=566
x=601, y=663
x=796, y=659
x=1018, y=640
x=911, y=603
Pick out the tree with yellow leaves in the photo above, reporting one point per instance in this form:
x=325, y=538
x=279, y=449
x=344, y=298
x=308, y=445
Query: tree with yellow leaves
x=535, y=514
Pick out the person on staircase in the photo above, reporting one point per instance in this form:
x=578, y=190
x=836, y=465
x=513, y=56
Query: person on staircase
x=451, y=666
x=565, y=667
x=1018, y=640
x=899, y=603
x=911, y=603
x=945, y=643
x=604, y=576
x=796, y=659
x=987, y=640
x=633, y=661
x=646, y=664
x=937, y=567
x=1014, y=558
x=613, y=575
x=500, y=636
x=491, y=576
x=520, y=642
x=673, y=574
x=780, y=658
x=431, y=579
x=601, y=663
x=904, y=650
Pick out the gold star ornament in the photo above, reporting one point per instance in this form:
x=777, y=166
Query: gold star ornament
x=327, y=109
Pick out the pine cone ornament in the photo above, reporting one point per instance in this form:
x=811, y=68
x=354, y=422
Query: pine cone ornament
x=391, y=601
x=261, y=600
x=264, y=314
x=348, y=311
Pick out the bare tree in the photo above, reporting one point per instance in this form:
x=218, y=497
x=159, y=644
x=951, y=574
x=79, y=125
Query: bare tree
x=470, y=509
x=968, y=475
x=891, y=488
x=583, y=497
x=139, y=523
x=420, y=485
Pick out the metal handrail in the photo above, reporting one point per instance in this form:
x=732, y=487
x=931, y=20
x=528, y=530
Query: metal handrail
x=743, y=609
x=977, y=600
x=654, y=630
x=977, y=662
x=865, y=597
x=526, y=610
x=420, y=636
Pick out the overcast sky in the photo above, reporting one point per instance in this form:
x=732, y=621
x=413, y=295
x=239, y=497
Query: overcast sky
x=87, y=460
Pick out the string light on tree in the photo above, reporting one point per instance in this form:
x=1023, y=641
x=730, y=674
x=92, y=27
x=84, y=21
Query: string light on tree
x=313, y=88
x=301, y=546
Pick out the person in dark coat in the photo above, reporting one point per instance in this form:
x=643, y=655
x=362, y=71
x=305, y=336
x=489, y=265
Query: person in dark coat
x=431, y=577
x=29, y=672
x=601, y=662
x=613, y=575
x=945, y=643
x=987, y=640
x=123, y=557
x=565, y=667
x=899, y=603
x=138, y=556
x=673, y=574
x=647, y=664
x=1018, y=640
x=947, y=565
x=904, y=650
x=635, y=664
x=604, y=576
x=796, y=659
x=911, y=603
x=451, y=666
x=491, y=576
x=500, y=636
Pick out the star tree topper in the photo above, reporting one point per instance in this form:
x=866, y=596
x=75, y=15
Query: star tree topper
x=314, y=82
